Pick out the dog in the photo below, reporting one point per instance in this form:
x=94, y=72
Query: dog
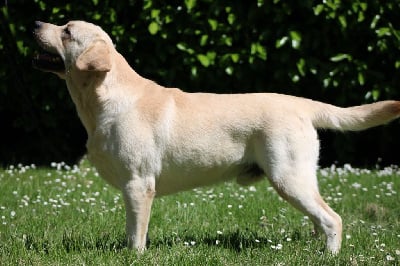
x=150, y=141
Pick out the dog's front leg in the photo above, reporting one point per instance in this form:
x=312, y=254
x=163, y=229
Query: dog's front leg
x=138, y=196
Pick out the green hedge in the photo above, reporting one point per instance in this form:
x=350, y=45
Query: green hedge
x=342, y=52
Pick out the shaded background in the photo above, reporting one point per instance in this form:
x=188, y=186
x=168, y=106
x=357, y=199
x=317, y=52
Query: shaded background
x=341, y=52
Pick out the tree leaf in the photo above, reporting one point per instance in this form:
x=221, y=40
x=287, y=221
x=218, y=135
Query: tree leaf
x=235, y=58
x=281, y=42
x=341, y=57
x=153, y=28
x=384, y=31
x=295, y=36
x=190, y=4
x=204, y=60
x=213, y=24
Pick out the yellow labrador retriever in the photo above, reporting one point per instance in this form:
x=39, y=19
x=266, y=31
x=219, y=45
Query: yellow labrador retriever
x=148, y=140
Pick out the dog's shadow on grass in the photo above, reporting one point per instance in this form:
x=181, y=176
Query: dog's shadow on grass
x=236, y=241
x=74, y=242
x=105, y=241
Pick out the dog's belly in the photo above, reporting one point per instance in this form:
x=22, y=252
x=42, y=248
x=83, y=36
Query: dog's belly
x=180, y=178
x=185, y=178
x=201, y=162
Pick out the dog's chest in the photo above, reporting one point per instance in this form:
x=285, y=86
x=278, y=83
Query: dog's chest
x=120, y=153
x=104, y=154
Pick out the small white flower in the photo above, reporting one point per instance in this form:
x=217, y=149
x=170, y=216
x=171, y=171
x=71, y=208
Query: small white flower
x=229, y=206
x=348, y=236
x=252, y=188
x=277, y=247
x=12, y=213
x=219, y=232
x=389, y=258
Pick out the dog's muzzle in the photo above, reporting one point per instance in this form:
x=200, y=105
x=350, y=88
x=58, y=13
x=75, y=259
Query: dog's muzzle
x=45, y=60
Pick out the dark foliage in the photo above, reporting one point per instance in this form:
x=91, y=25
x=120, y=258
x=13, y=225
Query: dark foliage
x=342, y=52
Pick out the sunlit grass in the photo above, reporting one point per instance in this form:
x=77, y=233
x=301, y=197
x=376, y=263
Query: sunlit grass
x=67, y=215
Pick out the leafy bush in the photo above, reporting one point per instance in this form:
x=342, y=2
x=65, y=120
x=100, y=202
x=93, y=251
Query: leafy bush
x=341, y=52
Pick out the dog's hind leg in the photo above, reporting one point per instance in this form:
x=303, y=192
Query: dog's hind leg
x=291, y=168
x=310, y=202
x=138, y=196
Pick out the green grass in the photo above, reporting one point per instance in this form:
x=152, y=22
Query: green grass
x=64, y=215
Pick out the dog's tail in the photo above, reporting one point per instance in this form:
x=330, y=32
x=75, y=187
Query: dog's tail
x=357, y=117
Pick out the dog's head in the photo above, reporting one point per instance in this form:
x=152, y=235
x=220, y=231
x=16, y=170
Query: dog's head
x=75, y=46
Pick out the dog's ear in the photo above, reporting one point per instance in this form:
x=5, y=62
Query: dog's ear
x=95, y=58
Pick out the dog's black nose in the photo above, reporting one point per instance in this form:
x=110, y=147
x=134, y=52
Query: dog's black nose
x=38, y=24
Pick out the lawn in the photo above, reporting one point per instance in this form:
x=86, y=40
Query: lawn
x=67, y=215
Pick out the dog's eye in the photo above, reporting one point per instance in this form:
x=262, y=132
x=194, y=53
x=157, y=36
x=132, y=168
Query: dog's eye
x=67, y=31
x=66, y=34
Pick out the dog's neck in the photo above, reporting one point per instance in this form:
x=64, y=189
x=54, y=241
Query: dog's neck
x=84, y=95
x=95, y=93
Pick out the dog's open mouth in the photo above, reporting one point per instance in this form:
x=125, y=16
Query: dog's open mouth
x=48, y=62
